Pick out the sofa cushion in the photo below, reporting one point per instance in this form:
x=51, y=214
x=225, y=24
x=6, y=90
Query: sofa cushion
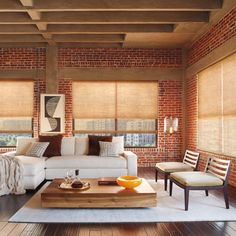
x=81, y=145
x=94, y=148
x=23, y=144
x=120, y=141
x=54, y=147
x=68, y=146
x=85, y=162
x=32, y=165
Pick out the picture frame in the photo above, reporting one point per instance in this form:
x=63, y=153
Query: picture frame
x=52, y=113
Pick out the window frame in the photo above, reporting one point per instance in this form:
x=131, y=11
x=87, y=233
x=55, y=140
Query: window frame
x=117, y=132
x=18, y=132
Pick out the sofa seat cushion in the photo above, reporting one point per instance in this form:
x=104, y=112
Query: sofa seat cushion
x=173, y=166
x=85, y=162
x=196, y=178
x=32, y=165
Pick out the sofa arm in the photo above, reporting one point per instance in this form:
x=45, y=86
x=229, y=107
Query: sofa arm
x=12, y=153
x=132, y=162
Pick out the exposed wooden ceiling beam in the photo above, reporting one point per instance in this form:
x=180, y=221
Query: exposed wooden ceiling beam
x=117, y=28
x=120, y=17
x=15, y=29
x=113, y=5
x=34, y=15
x=91, y=45
x=21, y=38
x=22, y=44
x=27, y=3
x=42, y=26
x=85, y=29
x=108, y=38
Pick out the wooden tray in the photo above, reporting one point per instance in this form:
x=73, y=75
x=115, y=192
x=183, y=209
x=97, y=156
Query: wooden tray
x=65, y=186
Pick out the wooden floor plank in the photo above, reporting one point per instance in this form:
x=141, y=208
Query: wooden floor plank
x=183, y=229
x=115, y=230
x=6, y=230
x=35, y=230
x=84, y=230
x=106, y=229
x=10, y=204
x=17, y=230
x=172, y=229
x=2, y=225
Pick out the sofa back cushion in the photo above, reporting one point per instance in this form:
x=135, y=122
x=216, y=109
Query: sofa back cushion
x=23, y=144
x=54, y=147
x=81, y=146
x=94, y=148
x=68, y=146
x=120, y=141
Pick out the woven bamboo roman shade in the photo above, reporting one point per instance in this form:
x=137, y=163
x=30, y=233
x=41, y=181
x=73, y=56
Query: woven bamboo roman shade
x=137, y=100
x=217, y=107
x=93, y=100
x=209, y=109
x=229, y=105
x=16, y=98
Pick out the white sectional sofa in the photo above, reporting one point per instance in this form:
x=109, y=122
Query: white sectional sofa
x=73, y=157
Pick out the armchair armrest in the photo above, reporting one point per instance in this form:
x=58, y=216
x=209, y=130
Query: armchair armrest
x=131, y=162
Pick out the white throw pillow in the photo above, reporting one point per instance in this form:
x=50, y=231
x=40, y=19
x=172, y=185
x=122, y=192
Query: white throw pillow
x=37, y=149
x=23, y=144
x=68, y=146
x=120, y=141
x=109, y=149
x=81, y=146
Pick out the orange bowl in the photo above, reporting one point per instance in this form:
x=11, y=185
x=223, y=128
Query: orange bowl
x=129, y=181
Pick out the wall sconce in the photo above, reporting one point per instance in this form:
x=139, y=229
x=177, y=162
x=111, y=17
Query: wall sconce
x=170, y=124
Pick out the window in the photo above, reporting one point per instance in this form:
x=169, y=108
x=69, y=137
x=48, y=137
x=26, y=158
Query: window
x=16, y=111
x=117, y=108
x=217, y=107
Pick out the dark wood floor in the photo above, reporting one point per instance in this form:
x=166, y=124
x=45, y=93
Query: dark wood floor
x=10, y=204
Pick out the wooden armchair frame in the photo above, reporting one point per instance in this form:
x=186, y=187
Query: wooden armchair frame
x=215, y=166
x=190, y=158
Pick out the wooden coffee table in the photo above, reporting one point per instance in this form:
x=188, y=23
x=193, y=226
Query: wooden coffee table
x=98, y=196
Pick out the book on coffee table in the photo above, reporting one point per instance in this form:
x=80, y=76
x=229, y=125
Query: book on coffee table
x=107, y=181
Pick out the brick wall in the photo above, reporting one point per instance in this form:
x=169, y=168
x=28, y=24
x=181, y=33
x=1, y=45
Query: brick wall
x=216, y=36
x=213, y=38
x=107, y=57
x=169, y=146
x=22, y=58
x=170, y=92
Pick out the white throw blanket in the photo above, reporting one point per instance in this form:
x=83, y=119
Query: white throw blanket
x=11, y=175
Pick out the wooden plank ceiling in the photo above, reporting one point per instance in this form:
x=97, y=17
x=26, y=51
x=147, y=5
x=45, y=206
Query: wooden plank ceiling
x=106, y=23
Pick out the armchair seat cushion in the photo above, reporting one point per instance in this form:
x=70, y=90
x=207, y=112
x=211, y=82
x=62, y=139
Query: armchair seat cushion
x=196, y=178
x=173, y=167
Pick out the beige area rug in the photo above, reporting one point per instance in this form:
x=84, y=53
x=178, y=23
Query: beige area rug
x=168, y=209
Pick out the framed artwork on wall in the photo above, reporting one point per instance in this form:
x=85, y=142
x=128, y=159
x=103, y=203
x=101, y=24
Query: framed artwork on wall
x=52, y=113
